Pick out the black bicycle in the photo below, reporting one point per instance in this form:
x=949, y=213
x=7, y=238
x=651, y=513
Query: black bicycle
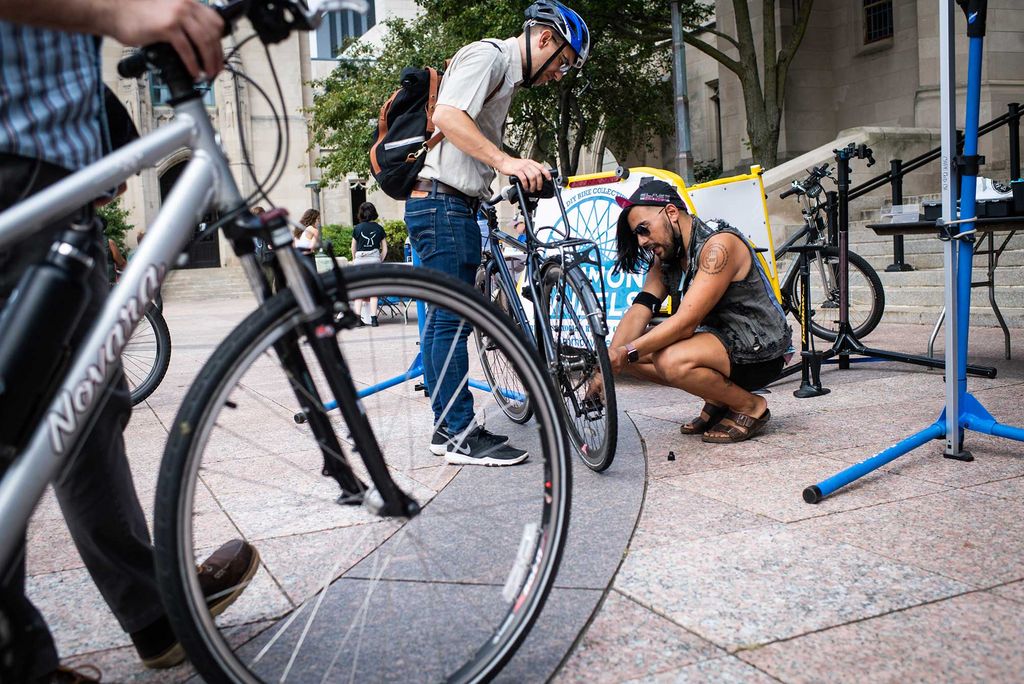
x=147, y=355
x=867, y=298
x=568, y=328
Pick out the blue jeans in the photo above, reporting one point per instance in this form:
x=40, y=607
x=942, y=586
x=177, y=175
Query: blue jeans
x=445, y=235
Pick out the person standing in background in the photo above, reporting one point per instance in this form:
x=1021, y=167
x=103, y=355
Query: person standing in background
x=369, y=246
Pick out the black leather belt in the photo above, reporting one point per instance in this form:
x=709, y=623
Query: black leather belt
x=439, y=188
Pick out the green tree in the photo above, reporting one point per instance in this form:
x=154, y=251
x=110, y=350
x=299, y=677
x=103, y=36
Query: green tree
x=622, y=89
x=117, y=224
x=764, y=92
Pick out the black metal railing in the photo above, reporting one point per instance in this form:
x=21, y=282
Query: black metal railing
x=899, y=168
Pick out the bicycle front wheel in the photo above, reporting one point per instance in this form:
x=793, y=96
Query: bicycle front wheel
x=582, y=357
x=147, y=355
x=867, y=298
x=340, y=593
x=501, y=377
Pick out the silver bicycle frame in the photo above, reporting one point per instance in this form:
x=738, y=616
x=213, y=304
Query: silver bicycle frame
x=205, y=182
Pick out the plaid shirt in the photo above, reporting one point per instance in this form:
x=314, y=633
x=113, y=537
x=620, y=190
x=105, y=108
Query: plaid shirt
x=51, y=104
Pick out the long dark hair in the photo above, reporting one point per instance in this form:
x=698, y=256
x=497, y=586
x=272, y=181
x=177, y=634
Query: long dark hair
x=367, y=212
x=632, y=258
x=309, y=217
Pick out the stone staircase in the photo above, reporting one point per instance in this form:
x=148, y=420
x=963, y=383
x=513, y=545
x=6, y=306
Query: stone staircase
x=227, y=282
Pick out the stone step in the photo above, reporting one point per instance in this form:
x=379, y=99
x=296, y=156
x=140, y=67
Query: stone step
x=935, y=277
x=203, y=283
x=931, y=260
x=980, y=317
x=1012, y=297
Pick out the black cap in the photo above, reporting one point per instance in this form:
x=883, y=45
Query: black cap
x=651, y=193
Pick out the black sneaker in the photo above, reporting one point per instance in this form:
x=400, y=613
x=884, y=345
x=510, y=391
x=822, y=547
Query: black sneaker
x=223, y=577
x=480, y=447
x=441, y=440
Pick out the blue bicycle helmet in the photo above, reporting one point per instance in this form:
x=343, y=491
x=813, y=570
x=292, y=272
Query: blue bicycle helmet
x=566, y=22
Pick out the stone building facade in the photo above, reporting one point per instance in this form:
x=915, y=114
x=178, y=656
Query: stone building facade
x=863, y=63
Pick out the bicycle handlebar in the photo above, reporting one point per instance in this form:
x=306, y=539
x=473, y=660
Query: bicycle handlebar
x=508, y=193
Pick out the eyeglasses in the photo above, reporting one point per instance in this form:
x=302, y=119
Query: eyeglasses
x=643, y=229
x=564, y=63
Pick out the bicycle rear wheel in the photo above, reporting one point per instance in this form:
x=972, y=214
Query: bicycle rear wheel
x=867, y=298
x=342, y=594
x=147, y=355
x=505, y=384
x=591, y=414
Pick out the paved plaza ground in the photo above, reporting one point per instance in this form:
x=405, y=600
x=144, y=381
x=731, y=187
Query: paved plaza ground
x=709, y=567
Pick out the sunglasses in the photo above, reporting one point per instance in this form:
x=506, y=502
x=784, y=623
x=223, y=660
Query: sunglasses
x=643, y=229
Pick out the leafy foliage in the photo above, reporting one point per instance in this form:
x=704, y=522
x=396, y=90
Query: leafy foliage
x=704, y=171
x=340, y=237
x=117, y=224
x=623, y=89
x=396, y=235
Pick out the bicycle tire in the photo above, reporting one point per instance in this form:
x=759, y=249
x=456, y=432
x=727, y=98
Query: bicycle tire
x=187, y=480
x=147, y=355
x=593, y=426
x=865, y=313
x=505, y=386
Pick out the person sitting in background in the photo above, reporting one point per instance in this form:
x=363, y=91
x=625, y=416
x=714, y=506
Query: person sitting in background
x=369, y=246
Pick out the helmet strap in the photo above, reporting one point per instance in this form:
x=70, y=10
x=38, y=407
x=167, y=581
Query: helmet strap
x=531, y=77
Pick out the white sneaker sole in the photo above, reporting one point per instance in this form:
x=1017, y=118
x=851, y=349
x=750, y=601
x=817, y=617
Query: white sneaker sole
x=459, y=459
x=439, y=449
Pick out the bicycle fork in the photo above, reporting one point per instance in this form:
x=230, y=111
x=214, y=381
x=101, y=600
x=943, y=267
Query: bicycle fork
x=385, y=498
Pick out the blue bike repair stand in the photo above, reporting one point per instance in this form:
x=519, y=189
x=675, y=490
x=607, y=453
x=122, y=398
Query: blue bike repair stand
x=962, y=412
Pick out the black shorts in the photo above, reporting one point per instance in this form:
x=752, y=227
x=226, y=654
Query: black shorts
x=754, y=376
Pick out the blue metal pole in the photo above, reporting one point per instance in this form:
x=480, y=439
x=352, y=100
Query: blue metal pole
x=816, y=493
x=968, y=195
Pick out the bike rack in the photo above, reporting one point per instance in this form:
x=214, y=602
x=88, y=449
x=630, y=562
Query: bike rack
x=962, y=410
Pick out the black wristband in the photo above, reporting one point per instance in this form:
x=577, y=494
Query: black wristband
x=648, y=301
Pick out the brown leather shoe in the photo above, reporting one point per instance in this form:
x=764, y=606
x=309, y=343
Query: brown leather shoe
x=223, y=577
x=225, y=574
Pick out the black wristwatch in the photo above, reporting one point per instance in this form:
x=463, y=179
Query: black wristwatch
x=632, y=355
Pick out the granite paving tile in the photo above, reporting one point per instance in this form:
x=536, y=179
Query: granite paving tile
x=50, y=547
x=970, y=537
x=759, y=585
x=727, y=670
x=970, y=638
x=820, y=433
x=1012, y=488
x=302, y=563
x=691, y=454
x=626, y=641
x=774, y=489
x=1014, y=590
x=76, y=613
x=994, y=459
x=672, y=515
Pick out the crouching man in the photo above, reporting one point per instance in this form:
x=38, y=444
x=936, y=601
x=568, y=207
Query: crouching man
x=729, y=334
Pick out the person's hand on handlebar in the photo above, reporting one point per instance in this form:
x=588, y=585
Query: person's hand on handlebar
x=530, y=173
x=194, y=30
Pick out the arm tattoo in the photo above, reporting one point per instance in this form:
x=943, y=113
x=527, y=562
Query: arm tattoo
x=713, y=259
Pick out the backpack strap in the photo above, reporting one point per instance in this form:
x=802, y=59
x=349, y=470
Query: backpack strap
x=435, y=83
x=382, y=131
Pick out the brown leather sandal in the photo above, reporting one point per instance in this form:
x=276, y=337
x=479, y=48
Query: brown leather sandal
x=744, y=427
x=700, y=423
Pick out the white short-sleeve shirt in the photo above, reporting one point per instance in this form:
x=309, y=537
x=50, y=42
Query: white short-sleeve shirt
x=474, y=73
